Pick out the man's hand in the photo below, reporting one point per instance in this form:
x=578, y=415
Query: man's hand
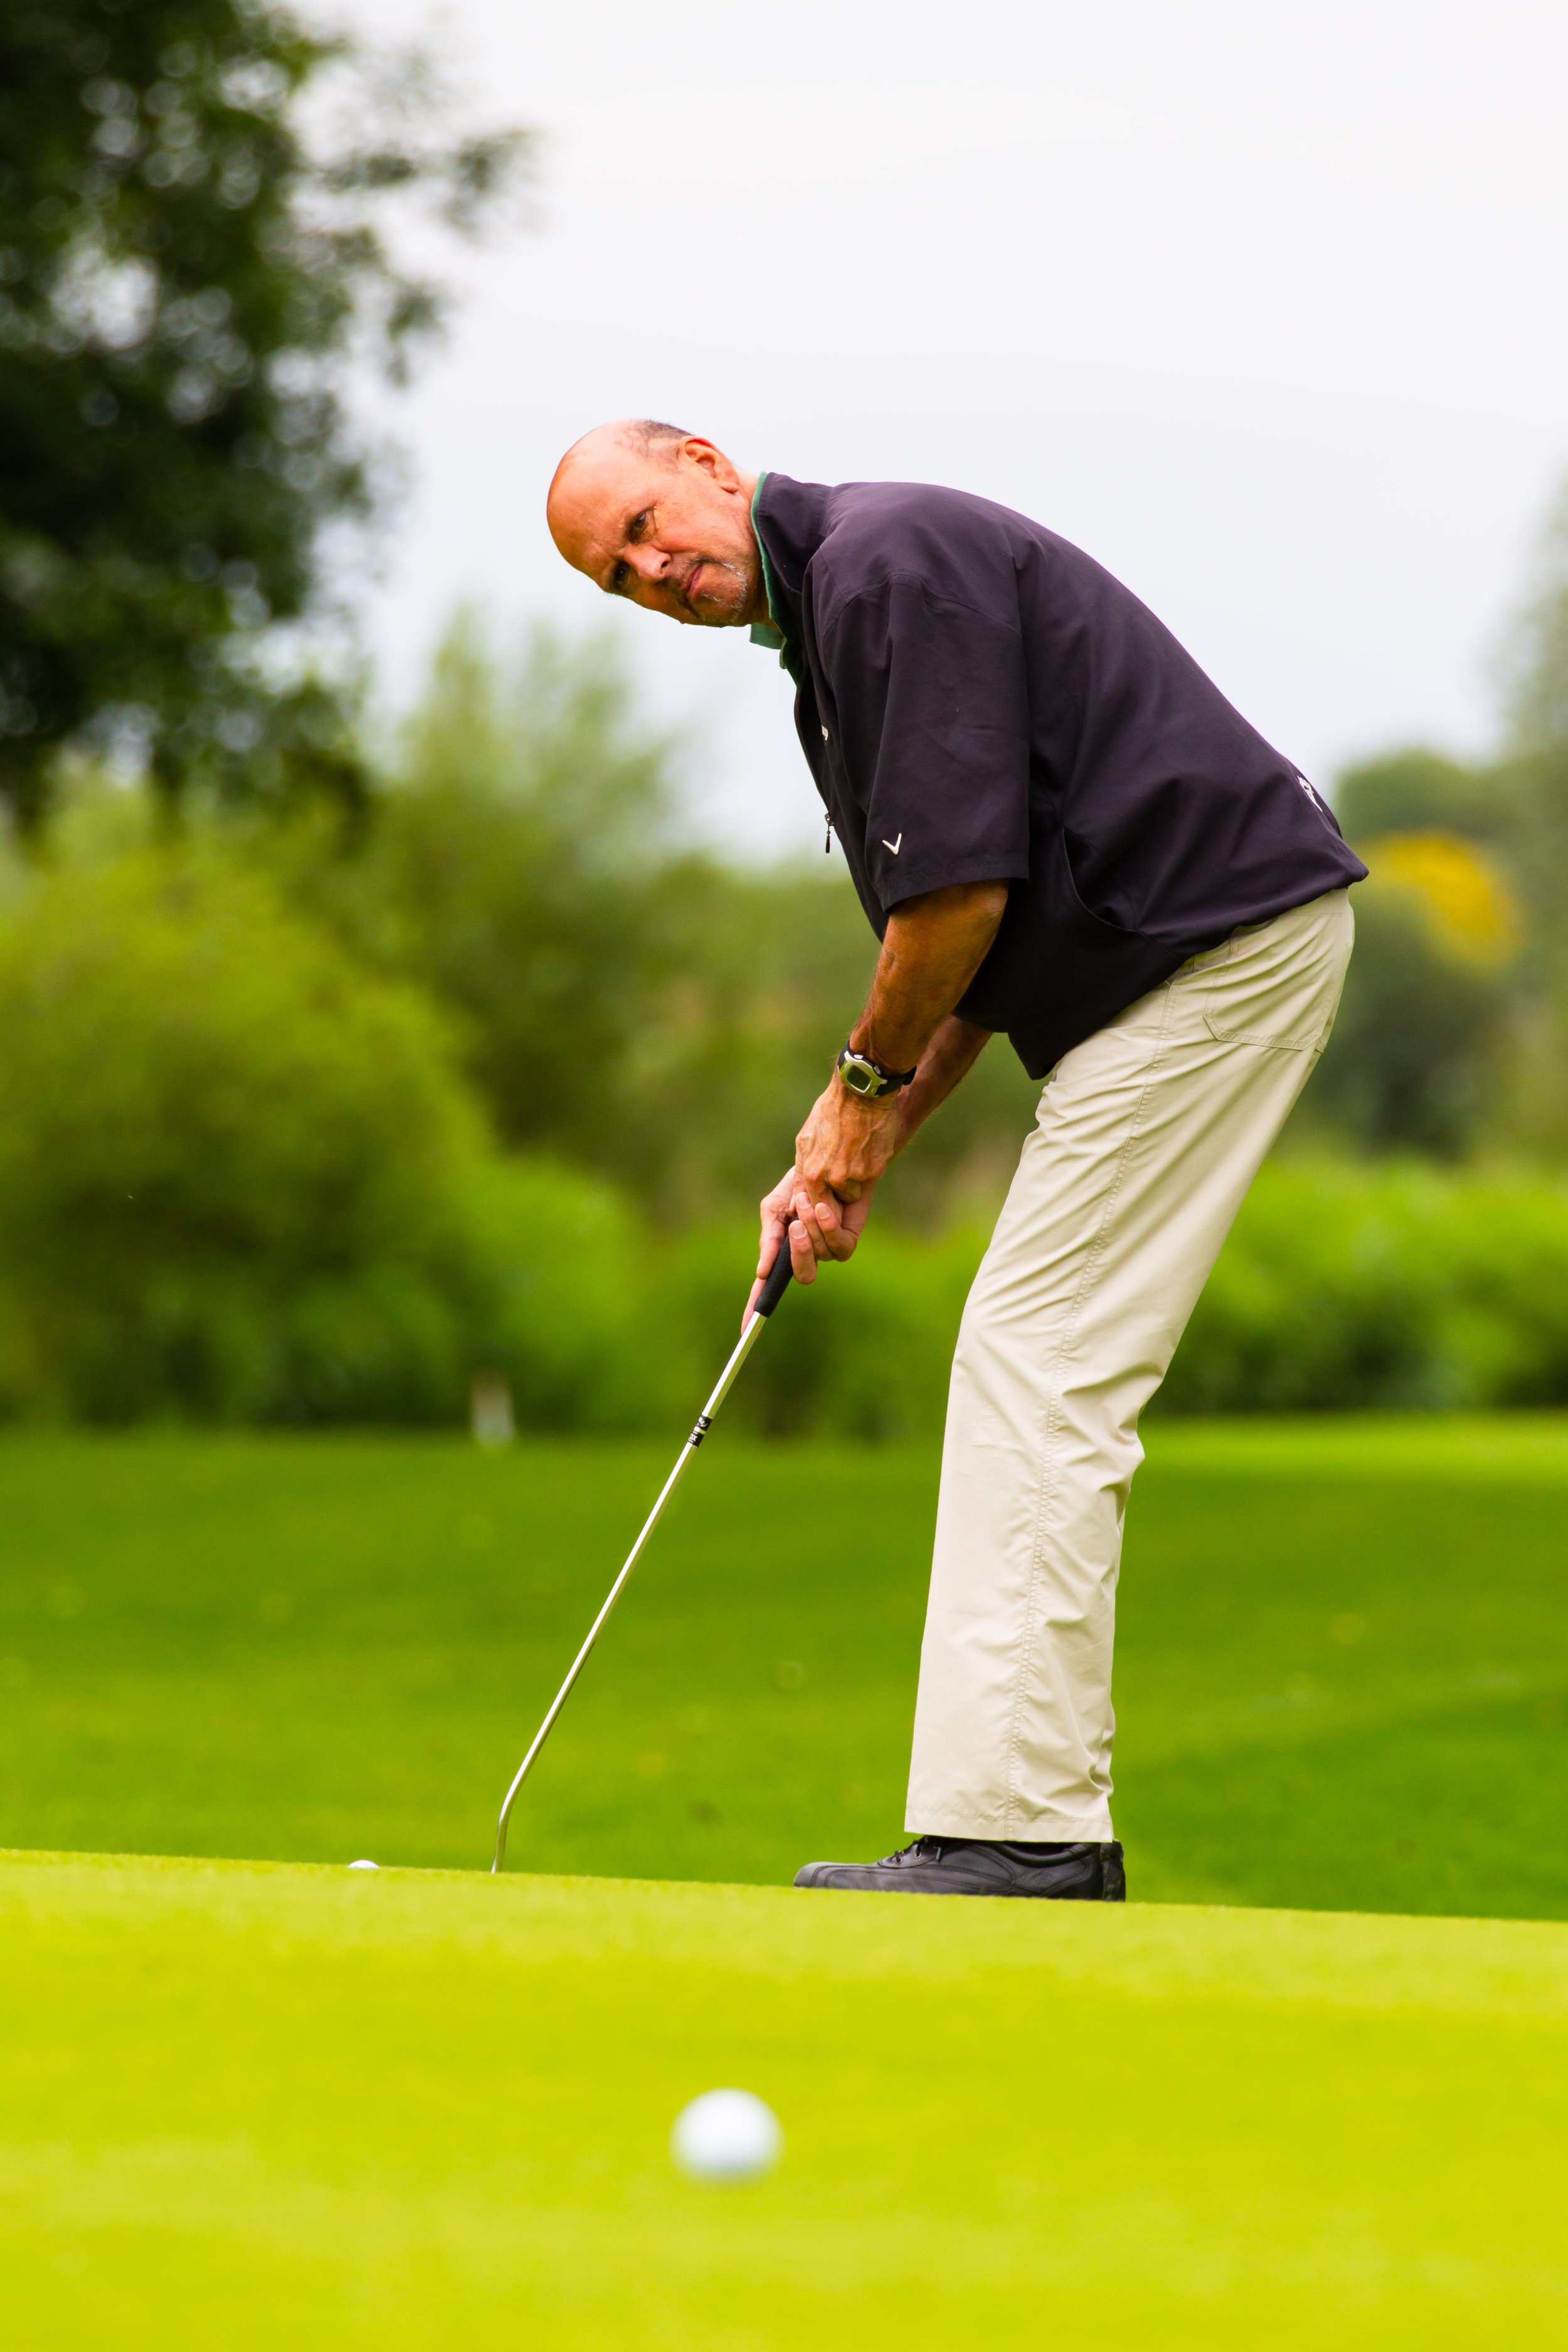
x=823, y=1226
x=847, y=1141
x=839, y=1154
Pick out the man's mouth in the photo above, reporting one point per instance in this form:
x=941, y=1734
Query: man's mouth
x=691, y=579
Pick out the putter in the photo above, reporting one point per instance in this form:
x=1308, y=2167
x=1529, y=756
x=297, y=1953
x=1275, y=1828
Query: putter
x=773, y=1290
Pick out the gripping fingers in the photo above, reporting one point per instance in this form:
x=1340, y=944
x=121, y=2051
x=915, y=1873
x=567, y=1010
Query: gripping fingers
x=822, y=1222
x=773, y=1234
x=806, y=1239
x=775, y=1210
x=803, y=1250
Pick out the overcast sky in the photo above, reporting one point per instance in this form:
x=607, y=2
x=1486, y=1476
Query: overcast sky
x=1263, y=306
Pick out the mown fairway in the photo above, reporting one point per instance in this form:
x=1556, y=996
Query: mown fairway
x=1343, y=1663
x=257, y=2108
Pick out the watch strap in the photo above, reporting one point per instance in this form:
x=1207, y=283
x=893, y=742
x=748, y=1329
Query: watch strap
x=888, y=1081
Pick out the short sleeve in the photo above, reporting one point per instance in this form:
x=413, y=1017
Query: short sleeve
x=932, y=702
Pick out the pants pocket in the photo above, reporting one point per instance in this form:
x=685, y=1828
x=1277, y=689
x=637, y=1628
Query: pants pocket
x=1279, y=985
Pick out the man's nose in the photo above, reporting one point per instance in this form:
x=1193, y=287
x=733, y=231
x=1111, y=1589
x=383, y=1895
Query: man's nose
x=650, y=563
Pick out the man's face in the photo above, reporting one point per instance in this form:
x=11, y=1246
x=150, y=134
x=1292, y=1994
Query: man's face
x=669, y=528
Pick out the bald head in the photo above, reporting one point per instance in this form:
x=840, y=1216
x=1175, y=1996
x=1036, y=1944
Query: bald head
x=662, y=518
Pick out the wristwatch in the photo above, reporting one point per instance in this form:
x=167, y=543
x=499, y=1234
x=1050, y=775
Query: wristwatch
x=870, y=1079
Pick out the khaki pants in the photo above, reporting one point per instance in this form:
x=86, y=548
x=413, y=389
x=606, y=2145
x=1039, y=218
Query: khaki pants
x=1148, y=1134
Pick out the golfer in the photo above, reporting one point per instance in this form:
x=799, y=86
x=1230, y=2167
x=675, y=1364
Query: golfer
x=1060, y=829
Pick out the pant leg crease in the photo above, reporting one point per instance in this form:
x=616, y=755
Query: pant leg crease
x=1051, y=1425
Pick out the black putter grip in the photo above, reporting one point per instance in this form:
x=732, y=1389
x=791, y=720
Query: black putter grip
x=781, y=1273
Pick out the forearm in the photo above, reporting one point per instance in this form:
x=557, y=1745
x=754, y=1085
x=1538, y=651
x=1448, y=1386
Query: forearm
x=934, y=946
x=931, y=951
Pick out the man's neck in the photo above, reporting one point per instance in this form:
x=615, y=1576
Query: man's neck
x=757, y=611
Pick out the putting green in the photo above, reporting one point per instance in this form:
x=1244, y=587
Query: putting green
x=257, y=2105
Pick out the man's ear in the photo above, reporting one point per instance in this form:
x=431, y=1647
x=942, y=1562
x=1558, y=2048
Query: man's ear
x=711, y=460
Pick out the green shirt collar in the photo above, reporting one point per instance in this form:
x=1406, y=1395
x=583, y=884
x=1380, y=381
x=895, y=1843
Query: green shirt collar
x=766, y=632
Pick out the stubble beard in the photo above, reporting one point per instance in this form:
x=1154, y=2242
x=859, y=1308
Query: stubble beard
x=723, y=595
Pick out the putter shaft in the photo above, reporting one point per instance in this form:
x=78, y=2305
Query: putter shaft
x=744, y=1345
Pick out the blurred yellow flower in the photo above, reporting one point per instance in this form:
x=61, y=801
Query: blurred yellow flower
x=1466, y=900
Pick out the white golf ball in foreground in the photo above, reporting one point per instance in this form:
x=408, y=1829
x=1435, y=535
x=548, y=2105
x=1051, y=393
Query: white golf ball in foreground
x=726, y=2135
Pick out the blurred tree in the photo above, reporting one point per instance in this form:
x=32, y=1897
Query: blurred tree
x=1534, y=769
x=183, y=274
x=513, y=868
x=1418, y=790
x=1416, y=1062
x=627, y=1000
x=1420, y=1055
x=234, y=1166
x=760, y=976
x=1534, y=773
x=1469, y=909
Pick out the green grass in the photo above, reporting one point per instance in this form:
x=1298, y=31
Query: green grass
x=1341, y=1679
x=255, y=2107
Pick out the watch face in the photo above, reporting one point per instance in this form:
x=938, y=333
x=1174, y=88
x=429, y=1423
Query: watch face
x=858, y=1075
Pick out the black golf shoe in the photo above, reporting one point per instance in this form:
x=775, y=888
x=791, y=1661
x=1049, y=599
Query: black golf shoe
x=954, y=1865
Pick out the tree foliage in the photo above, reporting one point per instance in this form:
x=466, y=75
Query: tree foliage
x=1414, y=1063
x=1439, y=1048
x=192, y=241
x=1418, y=790
x=627, y=999
x=233, y=1163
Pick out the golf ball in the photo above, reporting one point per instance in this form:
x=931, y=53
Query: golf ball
x=365, y=1866
x=726, y=2135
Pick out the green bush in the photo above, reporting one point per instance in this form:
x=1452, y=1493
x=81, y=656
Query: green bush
x=863, y=1353
x=233, y=1167
x=565, y=1301
x=242, y=1178
x=1343, y=1286
x=1389, y=1288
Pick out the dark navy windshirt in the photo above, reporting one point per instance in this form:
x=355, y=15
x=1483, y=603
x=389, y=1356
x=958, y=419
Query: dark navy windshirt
x=979, y=702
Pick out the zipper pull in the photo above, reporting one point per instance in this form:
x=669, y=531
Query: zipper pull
x=828, y=837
